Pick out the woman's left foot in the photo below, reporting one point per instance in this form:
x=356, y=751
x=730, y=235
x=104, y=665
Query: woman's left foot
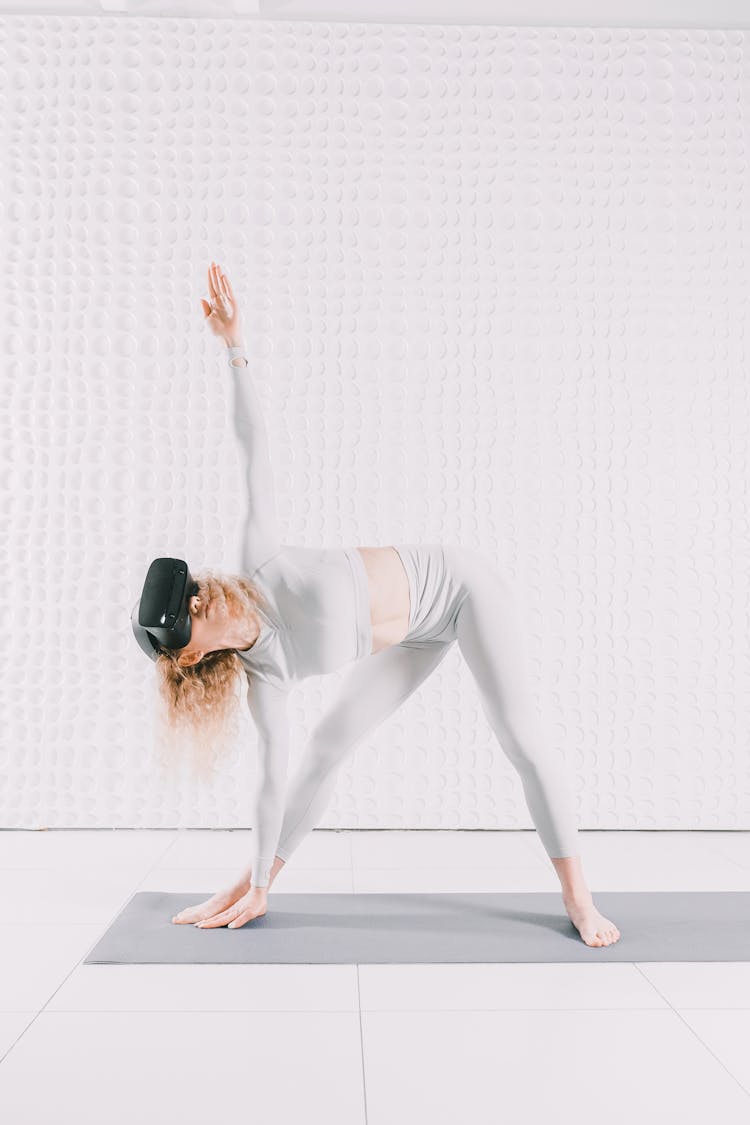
x=593, y=927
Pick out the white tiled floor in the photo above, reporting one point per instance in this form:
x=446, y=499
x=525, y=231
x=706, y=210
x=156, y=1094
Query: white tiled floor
x=347, y=1044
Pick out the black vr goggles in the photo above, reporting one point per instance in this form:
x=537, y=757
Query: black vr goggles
x=161, y=617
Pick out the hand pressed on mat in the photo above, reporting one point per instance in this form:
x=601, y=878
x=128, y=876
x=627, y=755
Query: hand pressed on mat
x=238, y=903
x=217, y=904
x=251, y=905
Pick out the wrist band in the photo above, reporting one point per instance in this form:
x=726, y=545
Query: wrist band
x=235, y=351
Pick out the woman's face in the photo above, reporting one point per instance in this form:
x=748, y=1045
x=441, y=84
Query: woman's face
x=212, y=629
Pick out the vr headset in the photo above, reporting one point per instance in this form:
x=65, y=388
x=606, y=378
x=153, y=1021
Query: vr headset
x=160, y=617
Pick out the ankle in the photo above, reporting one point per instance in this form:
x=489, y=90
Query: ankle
x=572, y=880
x=577, y=896
x=278, y=863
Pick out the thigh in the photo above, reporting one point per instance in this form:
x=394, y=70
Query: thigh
x=374, y=688
x=491, y=639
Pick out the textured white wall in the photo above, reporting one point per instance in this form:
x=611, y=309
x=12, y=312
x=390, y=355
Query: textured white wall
x=496, y=283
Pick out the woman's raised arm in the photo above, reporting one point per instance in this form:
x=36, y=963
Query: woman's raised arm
x=260, y=534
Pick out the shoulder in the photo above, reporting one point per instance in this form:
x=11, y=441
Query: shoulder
x=274, y=560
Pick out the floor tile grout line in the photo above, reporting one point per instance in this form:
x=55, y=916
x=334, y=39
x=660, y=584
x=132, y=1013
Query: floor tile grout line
x=351, y=1011
x=678, y=1013
x=87, y=951
x=362, y=1045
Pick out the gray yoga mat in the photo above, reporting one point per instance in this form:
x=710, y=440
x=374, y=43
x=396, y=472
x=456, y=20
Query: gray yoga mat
x=347, y=929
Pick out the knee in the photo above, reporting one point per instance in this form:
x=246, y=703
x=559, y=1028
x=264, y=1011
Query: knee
x=522, y=734
x=531, y=755
x=327, y=746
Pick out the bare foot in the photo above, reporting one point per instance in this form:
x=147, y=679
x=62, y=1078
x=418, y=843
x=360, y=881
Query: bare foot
x=593, y=927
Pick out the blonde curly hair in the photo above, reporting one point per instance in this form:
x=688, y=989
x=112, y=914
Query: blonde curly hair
x=197, y=717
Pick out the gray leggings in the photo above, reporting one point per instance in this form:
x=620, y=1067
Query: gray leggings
x=457, y=594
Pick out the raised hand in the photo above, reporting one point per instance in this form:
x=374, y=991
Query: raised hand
x=221, y=312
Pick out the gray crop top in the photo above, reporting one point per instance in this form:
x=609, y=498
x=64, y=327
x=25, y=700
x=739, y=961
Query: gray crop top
x=317, y=615
x=315, y=620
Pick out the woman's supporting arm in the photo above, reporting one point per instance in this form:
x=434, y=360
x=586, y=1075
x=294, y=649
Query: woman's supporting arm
x=260, y=535
x=268, y=708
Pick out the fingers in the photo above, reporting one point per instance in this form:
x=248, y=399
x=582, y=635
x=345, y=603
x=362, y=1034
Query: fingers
x=221, y=296
x=221, y=283
x=226, y=287
x=212, y=289
x=192, y=914
x=218, y=284
x=218, y=919
x=232, y=918
x=201, y=910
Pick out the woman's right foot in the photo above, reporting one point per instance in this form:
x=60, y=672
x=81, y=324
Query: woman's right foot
x=594, y=928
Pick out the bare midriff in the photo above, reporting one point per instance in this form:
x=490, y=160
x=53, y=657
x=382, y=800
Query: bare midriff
x=389, y=595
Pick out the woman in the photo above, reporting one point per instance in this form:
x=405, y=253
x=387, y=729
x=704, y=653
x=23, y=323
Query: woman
x=395, y=612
